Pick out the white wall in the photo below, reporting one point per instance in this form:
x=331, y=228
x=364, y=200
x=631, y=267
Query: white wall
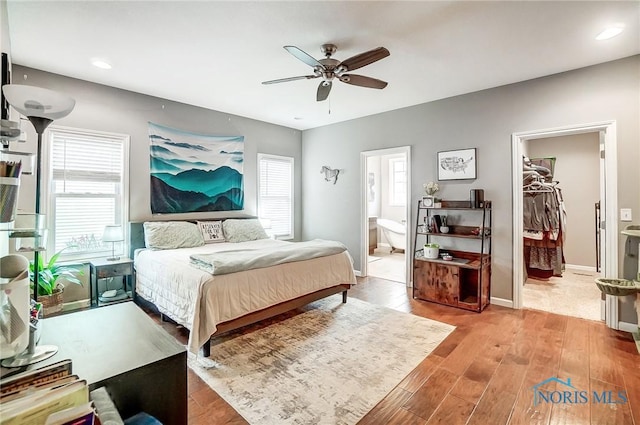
x=484, y=120
x=392, y=212
x=577, y=168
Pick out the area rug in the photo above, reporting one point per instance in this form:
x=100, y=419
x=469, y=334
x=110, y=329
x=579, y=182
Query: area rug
x=328, y=365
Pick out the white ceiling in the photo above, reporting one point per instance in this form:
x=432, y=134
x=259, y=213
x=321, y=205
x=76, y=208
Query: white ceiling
x=215, y=54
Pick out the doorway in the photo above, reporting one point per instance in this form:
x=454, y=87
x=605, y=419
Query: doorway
x=570, y=166
x=385, y=194
x=607, y=182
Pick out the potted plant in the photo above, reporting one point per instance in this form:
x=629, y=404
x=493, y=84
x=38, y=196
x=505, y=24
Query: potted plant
x=49, y=289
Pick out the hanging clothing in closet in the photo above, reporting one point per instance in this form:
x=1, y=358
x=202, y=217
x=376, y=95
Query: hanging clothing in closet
x=544, y=222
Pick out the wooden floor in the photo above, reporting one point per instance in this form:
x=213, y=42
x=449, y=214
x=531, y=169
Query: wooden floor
x=483, y=373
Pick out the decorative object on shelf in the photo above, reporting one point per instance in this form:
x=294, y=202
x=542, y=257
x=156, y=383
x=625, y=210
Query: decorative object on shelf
x=430, y=189
x=330, y=174
x=457, y=165
x=476, y=198
x=431, y=250
x=9, y=185
x=41, y=107
x=113, y=234
x=180, y=184
x=443, y=227
x=21, y=329
x=14, y=305
x=49, y=289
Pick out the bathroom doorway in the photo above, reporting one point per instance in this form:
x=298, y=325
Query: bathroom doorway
x=385, y=200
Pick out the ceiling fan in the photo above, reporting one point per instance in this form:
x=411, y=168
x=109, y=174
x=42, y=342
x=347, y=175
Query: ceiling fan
x=329, y=68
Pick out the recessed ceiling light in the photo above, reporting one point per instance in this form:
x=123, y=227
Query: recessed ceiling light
x=610, y=32
x=101, y=64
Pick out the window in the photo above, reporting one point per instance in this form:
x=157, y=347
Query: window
x=275, y=194
x=398, y=182
x=88, y=190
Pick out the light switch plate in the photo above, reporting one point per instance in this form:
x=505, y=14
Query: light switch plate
x=625, y=214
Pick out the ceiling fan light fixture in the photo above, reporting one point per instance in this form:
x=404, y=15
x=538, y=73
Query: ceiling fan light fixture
x=329, y=68
x=610, y=32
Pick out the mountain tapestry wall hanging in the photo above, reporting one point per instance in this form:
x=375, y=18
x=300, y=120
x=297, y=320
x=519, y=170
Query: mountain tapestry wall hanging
x=195, y=172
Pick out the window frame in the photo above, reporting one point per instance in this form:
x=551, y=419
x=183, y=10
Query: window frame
x=392, y=183
x=48, y=196
x=291, y=160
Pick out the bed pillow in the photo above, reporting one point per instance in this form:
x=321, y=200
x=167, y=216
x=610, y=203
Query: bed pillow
x=242, y=230
x=172, y=234
x=211, y=231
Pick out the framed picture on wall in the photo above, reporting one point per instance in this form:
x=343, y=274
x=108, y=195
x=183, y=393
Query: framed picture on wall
x=457, y=165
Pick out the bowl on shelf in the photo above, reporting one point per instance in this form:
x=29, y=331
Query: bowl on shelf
x=617, y=287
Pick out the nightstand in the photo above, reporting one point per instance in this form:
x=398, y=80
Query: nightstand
x=104, y=269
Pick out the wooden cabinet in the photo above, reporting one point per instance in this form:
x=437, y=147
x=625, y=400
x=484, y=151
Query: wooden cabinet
x=463, y=281
x=373, y=234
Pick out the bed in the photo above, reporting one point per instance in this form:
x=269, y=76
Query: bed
x=208, y=303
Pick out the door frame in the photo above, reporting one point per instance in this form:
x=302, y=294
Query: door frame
x=364, y=216
x=608, y=175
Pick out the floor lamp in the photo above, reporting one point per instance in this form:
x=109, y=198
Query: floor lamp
x=41, y=107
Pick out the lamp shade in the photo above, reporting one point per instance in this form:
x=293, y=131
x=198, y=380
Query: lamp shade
x=33, y=101
x=112, y=234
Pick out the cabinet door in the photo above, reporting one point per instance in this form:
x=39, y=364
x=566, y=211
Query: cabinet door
x=436, y=282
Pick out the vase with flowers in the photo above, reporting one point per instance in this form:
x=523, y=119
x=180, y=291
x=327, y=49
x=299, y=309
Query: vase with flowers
x=430, y=189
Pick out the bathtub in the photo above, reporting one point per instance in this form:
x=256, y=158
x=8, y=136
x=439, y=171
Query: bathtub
x=394, y=232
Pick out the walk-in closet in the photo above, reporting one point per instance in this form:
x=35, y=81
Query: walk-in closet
x=561, y=191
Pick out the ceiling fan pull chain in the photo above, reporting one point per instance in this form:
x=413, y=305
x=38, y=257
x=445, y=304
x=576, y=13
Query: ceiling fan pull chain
x=329, y=106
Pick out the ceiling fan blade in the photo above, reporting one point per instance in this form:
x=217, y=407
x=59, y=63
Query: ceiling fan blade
x=361, y=80
x=363, y=59
x=284, y=80
x=303, y=56
x=323, y=91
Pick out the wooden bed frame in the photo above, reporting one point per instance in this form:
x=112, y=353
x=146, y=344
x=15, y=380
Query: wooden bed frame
x=136, y=239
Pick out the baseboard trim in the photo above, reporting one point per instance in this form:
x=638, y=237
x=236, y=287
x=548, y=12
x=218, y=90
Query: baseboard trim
x=584, y=268
x=627, y=327
x=358, y=273
x=502, y=302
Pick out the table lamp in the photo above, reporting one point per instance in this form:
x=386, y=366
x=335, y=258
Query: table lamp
x=113, y=234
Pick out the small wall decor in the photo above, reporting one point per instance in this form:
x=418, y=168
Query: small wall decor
x=330, y=173
x=195, y=172
x=457, y=165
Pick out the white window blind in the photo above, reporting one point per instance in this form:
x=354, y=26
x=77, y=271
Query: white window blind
x=398, y=181
x=275, y=194
x=88, y=191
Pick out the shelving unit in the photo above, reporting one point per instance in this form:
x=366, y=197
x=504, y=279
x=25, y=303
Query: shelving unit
x=465, y=280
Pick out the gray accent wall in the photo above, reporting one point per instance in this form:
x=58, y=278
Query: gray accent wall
x=105, y=108
x=484, y=120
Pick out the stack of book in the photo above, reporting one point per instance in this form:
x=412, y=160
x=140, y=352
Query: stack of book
x=49, y=395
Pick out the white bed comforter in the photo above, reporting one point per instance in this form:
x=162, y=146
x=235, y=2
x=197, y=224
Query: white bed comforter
x=199, y=301
x=241, y=259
